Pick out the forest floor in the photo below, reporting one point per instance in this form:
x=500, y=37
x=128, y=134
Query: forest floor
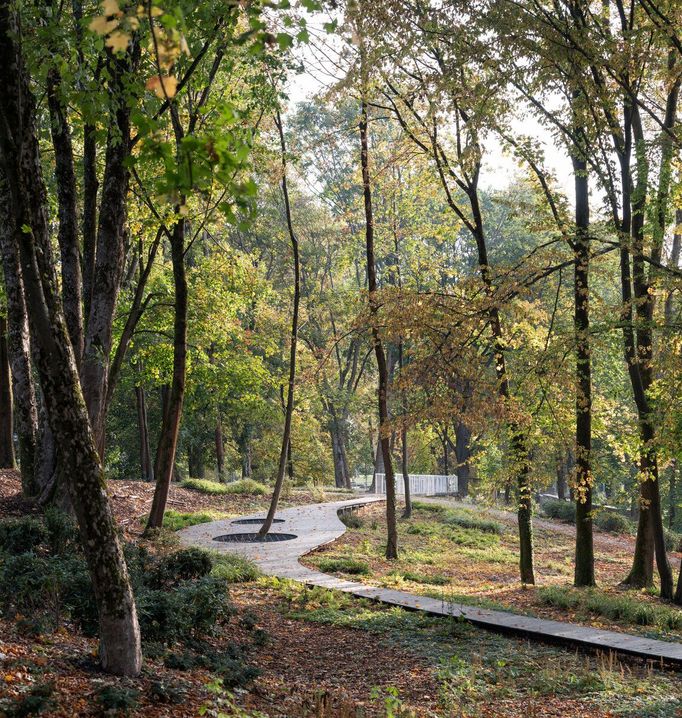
x=324, y=654
x=460, y=552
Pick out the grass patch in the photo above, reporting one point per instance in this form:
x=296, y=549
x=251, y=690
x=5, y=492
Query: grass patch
x=470, y=521
x=561, y=510
x=233, y=568
x=204, y=486
x=622, y=608
x=423, y=578
x=344, y=565
x=476, y=668
x=243, y=486
x=176, y=520
x=247, y=486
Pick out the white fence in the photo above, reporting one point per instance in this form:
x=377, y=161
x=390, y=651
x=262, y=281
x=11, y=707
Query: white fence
x=420, y=484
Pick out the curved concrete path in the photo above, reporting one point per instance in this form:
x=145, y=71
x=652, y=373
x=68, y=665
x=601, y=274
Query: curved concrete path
x=318, y=524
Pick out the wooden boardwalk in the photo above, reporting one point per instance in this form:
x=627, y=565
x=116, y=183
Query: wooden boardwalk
x=318, y=524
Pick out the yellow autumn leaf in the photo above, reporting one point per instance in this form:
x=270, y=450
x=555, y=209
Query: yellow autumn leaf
x=101, y=25
x=156, y=11
x=118, y=41
x=111, y=7
x=158, y=84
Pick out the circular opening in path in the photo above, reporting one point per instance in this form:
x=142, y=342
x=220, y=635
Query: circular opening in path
x=254, y=538
x=257, y=521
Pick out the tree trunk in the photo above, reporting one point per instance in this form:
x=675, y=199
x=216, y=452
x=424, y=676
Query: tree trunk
x=6, y=408
x=164, y=463
x=463, y=453
x=561, y=472
x=650, y=540
x=584, y=544
x=55, y=361
x=519, y=448
x=19, y=354
x=407, y=513
x=384, y=441
x=146, y=469
x=219, y=448
x=286, y=436
x=195, y=461
x=110, y=250
x=244, y=442
x=67, y=202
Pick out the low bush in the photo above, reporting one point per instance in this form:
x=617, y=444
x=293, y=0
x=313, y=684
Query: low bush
x=117, y=700
x=21, y=535
x=229, y=665
x=351, y=520
x=430, y=508
x=62, y=531
x=183, y=565
x=613, y=522
x=38, y=699
x=233, y=568
x=558, y=509
x=673, y=540
x=344, y=565
x=470, y=521
x=247, y=486
x=205, y=486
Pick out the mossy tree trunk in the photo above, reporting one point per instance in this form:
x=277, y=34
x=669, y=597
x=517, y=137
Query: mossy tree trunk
x=54, y=357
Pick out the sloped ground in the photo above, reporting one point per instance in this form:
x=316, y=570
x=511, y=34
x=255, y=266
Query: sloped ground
x=477, y=566
x=331, y=656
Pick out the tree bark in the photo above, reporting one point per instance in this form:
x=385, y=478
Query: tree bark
x=463, y=454
x=286, y=435
x=55, y=361
x=65, y=179
x=219, y=448
x=146, y=468
x=19, y=353
x=584, y=543
x=382, y=393
x=6, y=408
x=110, y=248
x=170, y=427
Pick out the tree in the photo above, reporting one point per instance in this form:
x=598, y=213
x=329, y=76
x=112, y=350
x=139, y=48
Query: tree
x=24, y=210
x=285, y=451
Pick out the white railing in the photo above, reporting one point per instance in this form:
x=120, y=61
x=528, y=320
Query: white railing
x=420, y=484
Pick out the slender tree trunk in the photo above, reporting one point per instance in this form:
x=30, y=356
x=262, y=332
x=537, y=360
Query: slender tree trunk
x=384, y=441
x=519, y=448
x=407, y=513
x=650, y=540
x=19, y=353
x=146, y=469
x=584, y=545
x=65, y=179
x=164, y=463
x=55, y=361
x=110, y=249
x=245, y=452
x=463, y=453
x=195, y=461
x=219, y=448
x=89, y=222
x=561, y=471
x=286, y=436
x=6, y=408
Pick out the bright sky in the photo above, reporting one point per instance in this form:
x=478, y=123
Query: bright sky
x=499, y=170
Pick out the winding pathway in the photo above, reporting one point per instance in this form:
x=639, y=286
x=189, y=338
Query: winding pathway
x=318, y=524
